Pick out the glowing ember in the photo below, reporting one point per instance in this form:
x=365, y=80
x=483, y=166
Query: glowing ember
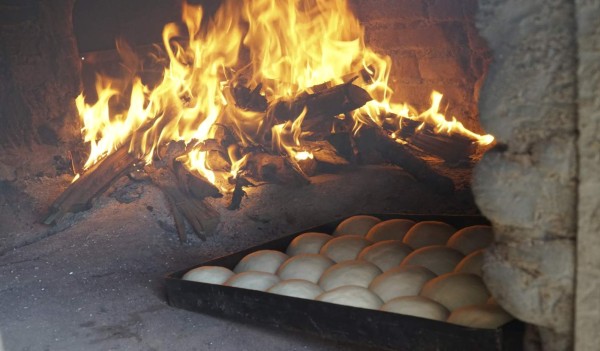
x=293, y=46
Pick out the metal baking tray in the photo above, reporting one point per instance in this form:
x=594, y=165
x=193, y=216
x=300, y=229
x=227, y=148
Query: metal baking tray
x=337, y=322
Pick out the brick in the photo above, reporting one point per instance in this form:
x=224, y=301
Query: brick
x=388, y=10
x=405, y=69
x=408, y=37
x=446, y=10
x=443, y=68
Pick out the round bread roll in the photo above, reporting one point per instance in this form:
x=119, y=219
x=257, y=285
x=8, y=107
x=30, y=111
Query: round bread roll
x=472, y=263
x=358, y=273
x=385, y=254
x=208, y=274
x=471, y=239
x=253, y=280
x=355, y=296
x=455, y=290
x=305, y=266
x=297, y=288
x=417, y=306
x=393, y=229
x=401, y=281
x=356, y=225
x=307, y=243
x=428, y=233
x=480, y=316
x=344, y=248
x=439, y=259
x=267, y=261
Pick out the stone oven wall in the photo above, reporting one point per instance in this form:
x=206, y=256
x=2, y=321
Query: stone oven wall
x=541, y=189
x=434, y=45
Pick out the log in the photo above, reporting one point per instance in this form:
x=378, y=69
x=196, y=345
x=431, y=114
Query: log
x=454, y=149
x=326, y=156
x=399, y=155
x=201, y=216
x=79, y=195
x=321, y=105
x=275, y=169
x=194, y=183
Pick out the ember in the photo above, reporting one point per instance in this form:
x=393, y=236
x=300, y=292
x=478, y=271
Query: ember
x=313, y=98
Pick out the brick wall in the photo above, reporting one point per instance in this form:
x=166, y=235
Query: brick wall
x=434, y=45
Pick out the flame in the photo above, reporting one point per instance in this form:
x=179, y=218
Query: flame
x=286, y=138
x=292, y=45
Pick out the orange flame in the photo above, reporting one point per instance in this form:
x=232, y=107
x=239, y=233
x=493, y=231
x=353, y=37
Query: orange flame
x=293, y=45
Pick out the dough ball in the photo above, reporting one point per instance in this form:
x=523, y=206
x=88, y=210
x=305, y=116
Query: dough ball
x=355, y=296
x=401, y=281
x=297, y=288
x=209, y=274
x=344, y=248
x=356, y=225
x=267, y=261
x=472, y=263
x=393, y=229
x=455, y=290
x=480, y=316
x=438, y=259
x=307, y=243
x=471, y=239
x=358, y=273
x=428, y=233
x=253, y=280
x=417, y=306
x=306, y=266
x=385, y=254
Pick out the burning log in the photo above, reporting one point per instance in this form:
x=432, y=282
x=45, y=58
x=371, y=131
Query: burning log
x=78, y=196
x=275, y=169
x=194, y=183
x=453, y=149
x=325, y=104
x=201, y=216
x=326, y=156
x=395, y=153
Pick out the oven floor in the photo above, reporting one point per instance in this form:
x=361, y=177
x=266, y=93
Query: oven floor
x=98, y=285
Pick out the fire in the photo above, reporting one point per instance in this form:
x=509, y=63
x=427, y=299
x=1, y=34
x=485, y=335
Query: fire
x=293, y=46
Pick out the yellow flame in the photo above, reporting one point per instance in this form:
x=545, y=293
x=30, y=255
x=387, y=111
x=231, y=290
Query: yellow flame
x=286, y=138
x=292, y=45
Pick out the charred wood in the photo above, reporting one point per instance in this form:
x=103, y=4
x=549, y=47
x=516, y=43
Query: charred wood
x=400, y=155
x=275, y=169
x=326, y=157
x=201, y=216
x=322, y=105
x=238, y=192
x=78, y=195
x=194, y=183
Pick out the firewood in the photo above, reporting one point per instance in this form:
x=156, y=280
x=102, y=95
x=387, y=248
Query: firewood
x=194, y=183
x=454, y=149
x=342, y=142
x=308, y=166
x=322, y=105
x=275, y=169
x=398, y=154
x=326, y=157
x=201, y=216
x=93, y=182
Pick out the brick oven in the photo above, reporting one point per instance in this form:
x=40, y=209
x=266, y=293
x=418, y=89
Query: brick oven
x=526, y=73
